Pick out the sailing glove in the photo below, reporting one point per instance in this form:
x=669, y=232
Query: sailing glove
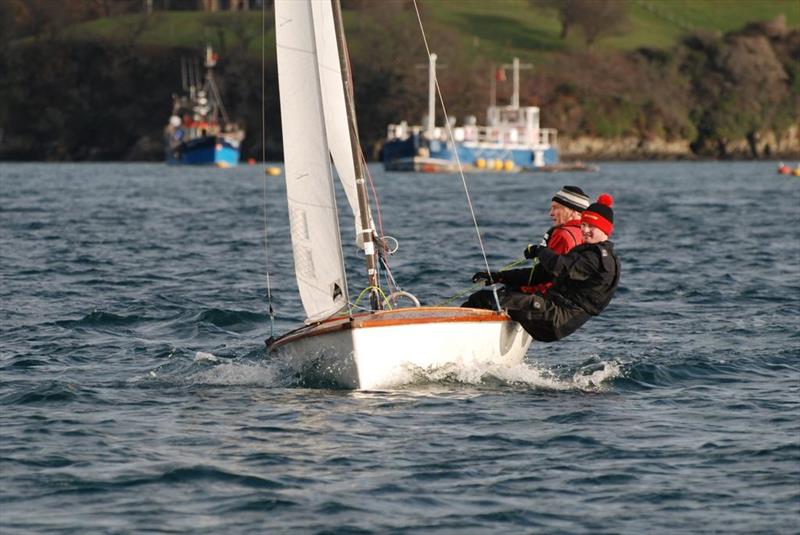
x=481, y=276
x=532, y=250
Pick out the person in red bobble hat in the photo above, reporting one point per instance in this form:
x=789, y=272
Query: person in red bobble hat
x=584, y=281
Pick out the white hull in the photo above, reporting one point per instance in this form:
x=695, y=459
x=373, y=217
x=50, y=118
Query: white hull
x=383, y=349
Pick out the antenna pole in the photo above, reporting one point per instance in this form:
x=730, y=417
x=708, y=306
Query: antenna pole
x=370, y=254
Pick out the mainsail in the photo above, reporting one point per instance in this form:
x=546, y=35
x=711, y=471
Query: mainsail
x=309, y=185
x=333, y=97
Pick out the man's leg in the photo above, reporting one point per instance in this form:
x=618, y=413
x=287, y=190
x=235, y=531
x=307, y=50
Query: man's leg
x=535, y=313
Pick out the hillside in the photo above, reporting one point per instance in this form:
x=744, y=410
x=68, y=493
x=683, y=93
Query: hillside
x=493, y=30
x=684, y=77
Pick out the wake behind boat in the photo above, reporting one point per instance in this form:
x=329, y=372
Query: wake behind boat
x=339, y=344
x=199, y=130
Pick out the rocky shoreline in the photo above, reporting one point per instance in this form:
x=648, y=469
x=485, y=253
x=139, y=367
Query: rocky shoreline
x=766, y=146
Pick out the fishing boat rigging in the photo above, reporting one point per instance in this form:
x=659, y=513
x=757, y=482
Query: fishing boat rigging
x=199, y=131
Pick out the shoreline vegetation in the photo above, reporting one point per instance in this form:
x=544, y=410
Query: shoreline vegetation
x=100, y=89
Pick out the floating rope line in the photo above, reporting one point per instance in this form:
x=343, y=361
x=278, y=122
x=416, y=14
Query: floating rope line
x=452, y=142
x=263, y=161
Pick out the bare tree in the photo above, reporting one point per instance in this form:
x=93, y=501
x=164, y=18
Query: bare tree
x=595, y=17
x=561, y=7
x=598, y=17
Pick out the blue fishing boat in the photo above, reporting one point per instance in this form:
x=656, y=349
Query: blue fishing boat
x=199, y=131
x=512, y=139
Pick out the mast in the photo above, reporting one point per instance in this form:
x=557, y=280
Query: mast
x=493, y=87
x=515, y=96
x=431, y=95
x=370, y=255
x=516, y=66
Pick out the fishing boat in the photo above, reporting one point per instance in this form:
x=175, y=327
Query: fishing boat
x=199, y=131
x=340, y=344
x=512, y=139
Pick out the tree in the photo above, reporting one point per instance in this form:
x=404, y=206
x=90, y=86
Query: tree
x=595, y=17
x=598, y=17
x=561, y=7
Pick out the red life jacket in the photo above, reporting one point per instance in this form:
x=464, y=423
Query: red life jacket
x=562, y=239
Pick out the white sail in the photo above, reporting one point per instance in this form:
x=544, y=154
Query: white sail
x=309, y=185
x=333, y=98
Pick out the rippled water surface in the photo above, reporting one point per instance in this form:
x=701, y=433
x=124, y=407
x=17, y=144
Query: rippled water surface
x=135, y=395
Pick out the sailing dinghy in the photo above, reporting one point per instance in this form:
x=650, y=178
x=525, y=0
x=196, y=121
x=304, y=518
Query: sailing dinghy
x=341, y=347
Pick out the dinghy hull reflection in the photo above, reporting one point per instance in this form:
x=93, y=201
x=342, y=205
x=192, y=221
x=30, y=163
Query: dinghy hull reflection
x=389, y=348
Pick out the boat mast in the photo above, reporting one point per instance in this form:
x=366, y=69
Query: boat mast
x=370, y=255
x=515, y=66
x=431, y=95
x=515, y=96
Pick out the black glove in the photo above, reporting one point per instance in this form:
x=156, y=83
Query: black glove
x=481, y=276
x=531, y=251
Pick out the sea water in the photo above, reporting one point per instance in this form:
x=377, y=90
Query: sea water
x=136, y=396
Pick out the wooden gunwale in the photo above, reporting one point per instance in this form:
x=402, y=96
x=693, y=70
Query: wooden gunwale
x=384, y=318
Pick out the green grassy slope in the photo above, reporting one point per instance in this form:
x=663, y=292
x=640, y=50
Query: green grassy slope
x=496, y=29
x=182, y=29
x=506, y=26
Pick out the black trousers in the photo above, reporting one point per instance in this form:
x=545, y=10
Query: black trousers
x=544, y=318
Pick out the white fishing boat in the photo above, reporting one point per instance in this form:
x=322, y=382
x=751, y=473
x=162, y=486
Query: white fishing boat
x=339, y=345
x=512, y=139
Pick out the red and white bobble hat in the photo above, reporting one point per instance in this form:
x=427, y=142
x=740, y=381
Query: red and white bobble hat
x=599, y=214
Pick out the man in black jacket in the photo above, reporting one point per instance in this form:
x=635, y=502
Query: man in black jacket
x=584, y=281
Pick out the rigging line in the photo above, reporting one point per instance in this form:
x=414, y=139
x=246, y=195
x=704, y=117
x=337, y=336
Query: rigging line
x=349, y=87
x=452, y=143
x=383, y=257
x=263, y=162
x=218, y=99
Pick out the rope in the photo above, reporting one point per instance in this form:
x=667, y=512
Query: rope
x=452, y=142
x=530, y=277
x=381, y=257
x=263, y=160
x=477, y=284
x=371, y=289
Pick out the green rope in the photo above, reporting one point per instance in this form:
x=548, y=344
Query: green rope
x=476, y=285
x=459, y=294
x=530, y=277
x=368, y=289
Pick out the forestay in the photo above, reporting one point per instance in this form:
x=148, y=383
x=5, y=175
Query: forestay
x=309, y=185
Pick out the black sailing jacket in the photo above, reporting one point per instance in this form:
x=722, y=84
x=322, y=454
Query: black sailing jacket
x=587, y=276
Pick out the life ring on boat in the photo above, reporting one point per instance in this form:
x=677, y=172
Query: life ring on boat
x=394, y=296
